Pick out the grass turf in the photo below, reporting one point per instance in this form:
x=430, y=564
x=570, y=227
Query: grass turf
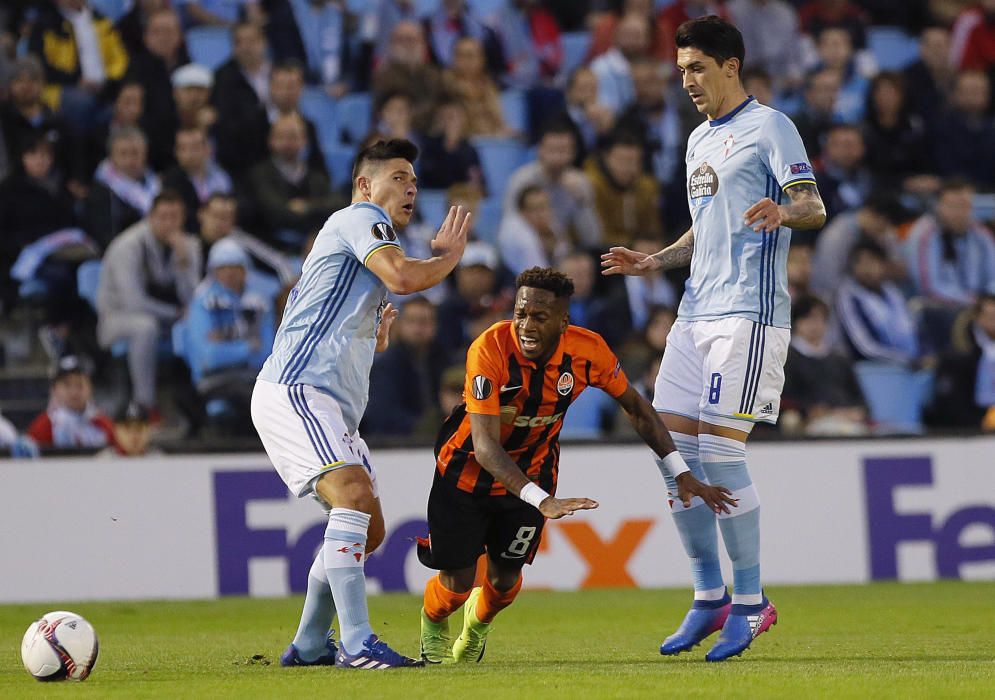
x=875, y=641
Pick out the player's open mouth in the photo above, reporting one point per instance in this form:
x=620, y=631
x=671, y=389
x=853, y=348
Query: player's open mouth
x=528, y=343
x=410, y=208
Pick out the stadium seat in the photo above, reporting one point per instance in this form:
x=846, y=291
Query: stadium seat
x=895, y=396
x=892, y=48
x=179, y=338
x=87, y=281
x=575, y=47
x=111, y=9
x=209, y=46
x=431, y=206
x=355, y=115
x=515, y=110
x=488, y=219
x=499, y=158
x=338, y=158
x=485, y=9
x=317, y=106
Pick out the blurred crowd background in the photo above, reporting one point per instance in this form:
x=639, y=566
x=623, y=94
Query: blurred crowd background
x=165, y=166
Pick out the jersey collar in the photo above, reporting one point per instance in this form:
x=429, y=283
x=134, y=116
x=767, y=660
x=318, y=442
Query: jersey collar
x=723, y=120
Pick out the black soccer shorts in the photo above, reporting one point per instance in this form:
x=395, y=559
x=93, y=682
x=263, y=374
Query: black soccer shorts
x=462, y=526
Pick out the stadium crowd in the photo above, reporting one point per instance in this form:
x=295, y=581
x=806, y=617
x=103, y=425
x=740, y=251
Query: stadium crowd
x=165, y=165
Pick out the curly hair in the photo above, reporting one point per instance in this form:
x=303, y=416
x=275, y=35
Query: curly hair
x=546, y=278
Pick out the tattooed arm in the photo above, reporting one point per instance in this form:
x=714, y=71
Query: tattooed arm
x=622, y=261
x=804, y=211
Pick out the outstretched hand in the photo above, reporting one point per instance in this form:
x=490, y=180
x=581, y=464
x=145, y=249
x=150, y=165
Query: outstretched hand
x=387, y=319
x=622, y=261
x=451, y=238
x=718, y=498
x=555, y=508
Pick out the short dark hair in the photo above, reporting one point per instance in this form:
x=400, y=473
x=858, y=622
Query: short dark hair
x=546, y=278
x=222, y=196
x=868, y=246
x=806, y=305
x=383, y=151
x=956, y=183
x=714, y=37
x=558, y=125
x=168, y=196
x=622, y=137
x=288, y=65
x=525, y=194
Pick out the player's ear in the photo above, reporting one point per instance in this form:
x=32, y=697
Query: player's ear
x=732, y=67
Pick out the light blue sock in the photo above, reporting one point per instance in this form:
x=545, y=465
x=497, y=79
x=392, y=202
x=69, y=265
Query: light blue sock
x=696, y=525
x=319, y=609
x=344, y=552
x=724, y=461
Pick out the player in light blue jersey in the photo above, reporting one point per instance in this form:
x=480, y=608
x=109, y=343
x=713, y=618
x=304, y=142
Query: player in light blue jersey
x=749, y=183
x=312, y=391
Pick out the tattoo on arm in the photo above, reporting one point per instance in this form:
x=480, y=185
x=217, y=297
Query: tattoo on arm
x=806, y=210
x=678, y=254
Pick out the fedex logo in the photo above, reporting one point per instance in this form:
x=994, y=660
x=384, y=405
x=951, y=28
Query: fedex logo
x=888, y=528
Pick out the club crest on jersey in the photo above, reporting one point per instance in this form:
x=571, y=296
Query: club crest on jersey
x=383, y=231
x=482, y=387
x=703, y=184
x=565, y=384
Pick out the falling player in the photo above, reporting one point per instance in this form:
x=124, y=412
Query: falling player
x=498, y=457
x=312, y=391
x=723, y=368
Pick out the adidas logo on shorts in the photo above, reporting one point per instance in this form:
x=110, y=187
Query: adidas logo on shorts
x=768, y=409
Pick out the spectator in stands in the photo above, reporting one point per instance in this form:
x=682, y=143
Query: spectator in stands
x=241, y=88
x=951, y=255
x=799, y=269
x=569, y=190
x=844, y=180
x=649, y=342
x=123, y=187
x=153, y=66
x=586, y=309
x=643, y=294
x=475, y=301
x=467, y=79
x=405, y=68
x=72, y=421
x=964, y=394
x=82, y=54
x=216, y=218
x=451, y=21
x=221, y=13
x=872, y=310
x=590, y=119
x=192, y=85
x=316, y=35
x=821, y=395
x=126, y=111
x=291, y=197
x=527, y=236
x=818, y=110
x=195, y=176
x=530, y=44
x=131, y=25
x=614, y=67
x=911, y=15
x=286, y=85
x=876, y=220
x=393, y=117
x=447, y=155
x=772, y=37
x=626, y=198
x=897, y=147
x=25, y=117
x=931, y=77
x=816, y=15
x=405, y=378
x=148, y=277
x=132, y=433
x=835, y=51
x=760, y=84
x=964, y=140
x=229, y=334
x=978, y=50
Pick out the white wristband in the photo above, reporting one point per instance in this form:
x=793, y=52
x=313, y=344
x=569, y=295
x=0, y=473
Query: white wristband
x=674, y=464
x=532, y=494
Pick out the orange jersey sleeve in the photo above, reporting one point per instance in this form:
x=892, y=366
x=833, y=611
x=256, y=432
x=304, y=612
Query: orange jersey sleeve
x=484, y=374
x=606, y=370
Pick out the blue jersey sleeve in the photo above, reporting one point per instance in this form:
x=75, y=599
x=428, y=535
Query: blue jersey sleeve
x=367, y=230
x=782, y=151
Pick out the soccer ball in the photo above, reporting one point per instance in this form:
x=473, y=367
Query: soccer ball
x=59, y=646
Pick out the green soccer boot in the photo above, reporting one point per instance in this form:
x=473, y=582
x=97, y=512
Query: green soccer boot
x=436, y=647
x=469, y=646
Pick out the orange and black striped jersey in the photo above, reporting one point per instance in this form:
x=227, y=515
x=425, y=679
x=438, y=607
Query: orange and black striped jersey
x=531, y=402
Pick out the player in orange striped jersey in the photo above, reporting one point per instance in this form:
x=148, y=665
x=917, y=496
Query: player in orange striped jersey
x=498, y=455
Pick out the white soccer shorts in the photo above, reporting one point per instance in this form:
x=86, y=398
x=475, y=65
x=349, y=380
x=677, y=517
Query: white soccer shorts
x=727, y=372
x=304, y=435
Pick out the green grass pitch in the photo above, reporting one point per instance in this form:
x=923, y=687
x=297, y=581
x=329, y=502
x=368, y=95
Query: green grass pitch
x=875, y=641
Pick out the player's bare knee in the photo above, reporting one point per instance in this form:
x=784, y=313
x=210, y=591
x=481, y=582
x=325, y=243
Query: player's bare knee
x=502, y=579
x=348, y=487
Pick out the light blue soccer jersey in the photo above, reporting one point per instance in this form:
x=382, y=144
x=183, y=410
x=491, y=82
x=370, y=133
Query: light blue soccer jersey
x=733, y=162
x=328, y=334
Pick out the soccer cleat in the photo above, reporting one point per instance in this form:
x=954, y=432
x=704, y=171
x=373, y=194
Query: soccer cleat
x=744, y=624
x=374, y=656
x=704, y=618
x=469, y=645
x=292, y=657
x=436, y=647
